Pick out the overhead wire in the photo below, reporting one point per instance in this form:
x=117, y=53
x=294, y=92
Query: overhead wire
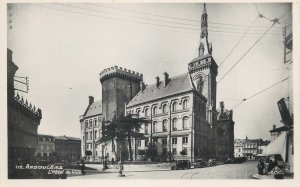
x=276, y=20
x=248, y=50
x=145, y=23
x=170, y=17
x=238, y=42
x=252, y=96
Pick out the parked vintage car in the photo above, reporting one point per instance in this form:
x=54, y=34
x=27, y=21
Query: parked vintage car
x=200, y=163
x=181, y=164
x=211, y=162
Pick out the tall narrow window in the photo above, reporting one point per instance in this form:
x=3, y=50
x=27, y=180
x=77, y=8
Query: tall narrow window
x=185, y=122
x=154, y=110
x=146, y=128
x=185, y=140
x=174, y=106
x=174, y=141
x=95, y=122
x=174, y=124
x=146, y=112
x=164, y=141
x=154, y=126
x=164, y=109
x=184, y=104
x=164, y=127
x=138, y=113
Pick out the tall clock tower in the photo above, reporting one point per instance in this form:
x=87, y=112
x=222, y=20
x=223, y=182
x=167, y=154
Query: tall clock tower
x=203, y=71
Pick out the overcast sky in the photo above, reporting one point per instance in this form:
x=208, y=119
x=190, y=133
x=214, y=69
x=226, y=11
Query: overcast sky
x=63, y=48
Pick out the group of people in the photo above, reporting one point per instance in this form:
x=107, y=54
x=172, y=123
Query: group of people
x=264, y=166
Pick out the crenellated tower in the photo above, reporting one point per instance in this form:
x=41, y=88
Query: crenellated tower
x=119, y=86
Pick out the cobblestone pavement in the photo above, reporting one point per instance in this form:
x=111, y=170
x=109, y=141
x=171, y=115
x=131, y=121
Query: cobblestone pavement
x=228, y=171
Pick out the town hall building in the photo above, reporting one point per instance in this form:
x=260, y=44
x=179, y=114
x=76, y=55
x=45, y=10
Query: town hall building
x=182, y=113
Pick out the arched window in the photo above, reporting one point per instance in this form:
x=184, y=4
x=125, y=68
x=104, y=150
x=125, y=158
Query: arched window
x=174, y=124
x=91, y=123
x=184, y=104
x=164, y=109
x=165, y=123
x=146, y=112
x=154, y=126
x=185, y=122
x=138, y=113
x=95, y=134
x=154, y=110
x=174, y=106
x=86, y=124
x=95, y=122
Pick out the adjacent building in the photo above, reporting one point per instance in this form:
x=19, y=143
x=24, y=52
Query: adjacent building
x=67, y=148
x=23, y=121
x=184, y=121
x=45, y=148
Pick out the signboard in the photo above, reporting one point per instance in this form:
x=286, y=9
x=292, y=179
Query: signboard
x=284, y=112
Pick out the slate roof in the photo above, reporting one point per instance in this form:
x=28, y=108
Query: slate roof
x=64, y=137
x=178, y=84
x=94, y=109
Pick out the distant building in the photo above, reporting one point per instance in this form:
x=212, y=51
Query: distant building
x=67, y=148
x=249, y=147
x=238, y=148
x=23, y=121
x=46, y=147
x=91, y=126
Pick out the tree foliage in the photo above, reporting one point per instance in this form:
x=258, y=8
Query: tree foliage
x=122, y=129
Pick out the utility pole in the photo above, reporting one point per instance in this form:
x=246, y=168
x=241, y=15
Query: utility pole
x=284, y=42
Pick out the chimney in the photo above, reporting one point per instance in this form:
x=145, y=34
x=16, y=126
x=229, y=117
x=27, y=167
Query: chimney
x=166, y=78
x=274, y=127
x=91, y=100
x=142, y=86
x=230, y=114
x=222, y=107
x=157, y=81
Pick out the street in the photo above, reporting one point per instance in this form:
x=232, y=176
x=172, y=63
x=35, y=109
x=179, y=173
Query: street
x=228, y=171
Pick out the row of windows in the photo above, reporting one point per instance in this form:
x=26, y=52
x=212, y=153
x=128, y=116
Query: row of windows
x=164, y=127
x=46, y=146
x=164, y=108
x=185, y=140
x=89, y=135
x=91, y=122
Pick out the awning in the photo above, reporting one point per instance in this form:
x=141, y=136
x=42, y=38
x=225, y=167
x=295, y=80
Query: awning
x=277, y=146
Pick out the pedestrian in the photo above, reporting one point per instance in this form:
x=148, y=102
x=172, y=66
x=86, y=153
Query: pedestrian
x=260, y=167
x=273, y=164
x=113, y=161
x=82, y=167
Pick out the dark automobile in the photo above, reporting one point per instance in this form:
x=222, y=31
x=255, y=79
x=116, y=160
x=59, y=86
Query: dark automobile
x=200, y=163
x=181, y=164
x=211, y=162
x=228, y=161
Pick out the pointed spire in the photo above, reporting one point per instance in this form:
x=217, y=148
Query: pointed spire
x=204, y=9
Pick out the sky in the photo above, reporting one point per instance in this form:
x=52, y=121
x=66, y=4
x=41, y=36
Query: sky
x=62, y=48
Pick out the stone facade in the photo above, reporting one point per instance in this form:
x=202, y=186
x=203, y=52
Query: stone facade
x=182, y=109
x=46, y=147
x=224, y=134
x=23, y=121
x=67, y=148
